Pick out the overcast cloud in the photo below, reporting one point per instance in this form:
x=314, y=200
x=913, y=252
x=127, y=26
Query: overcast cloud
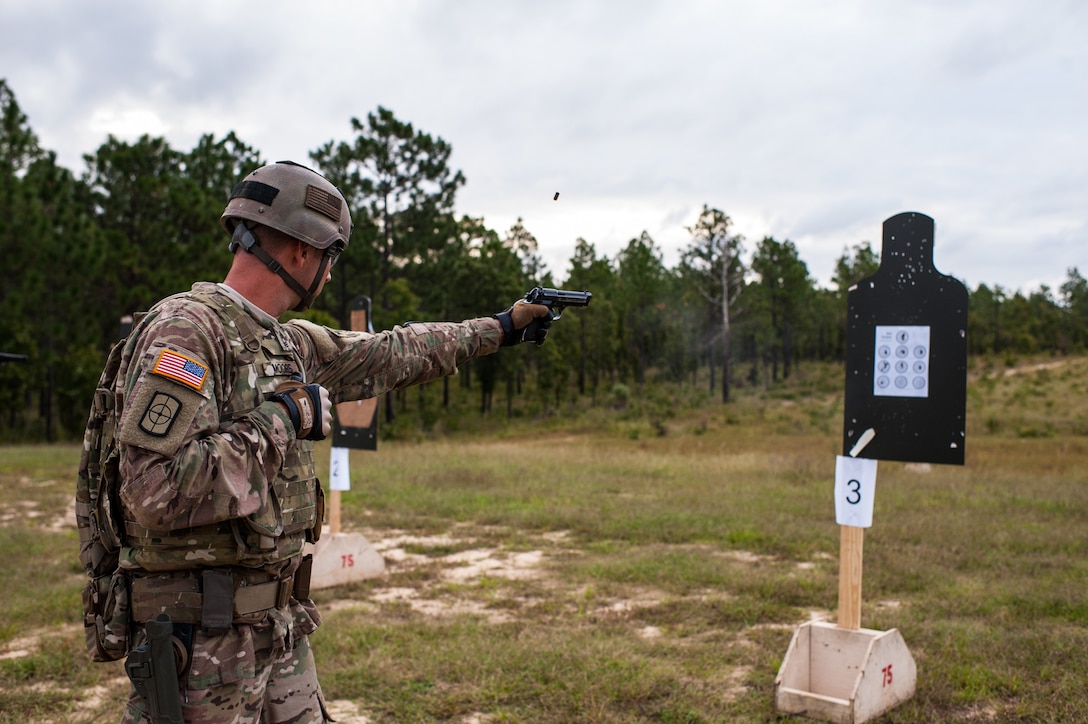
x=804, y=120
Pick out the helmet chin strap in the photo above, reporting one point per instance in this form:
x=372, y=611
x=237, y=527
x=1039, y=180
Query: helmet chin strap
x=311, y=293
x=243, y=237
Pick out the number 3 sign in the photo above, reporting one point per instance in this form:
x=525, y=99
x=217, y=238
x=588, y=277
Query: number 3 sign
x=855, y=488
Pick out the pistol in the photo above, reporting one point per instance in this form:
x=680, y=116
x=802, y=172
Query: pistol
x=556, y=300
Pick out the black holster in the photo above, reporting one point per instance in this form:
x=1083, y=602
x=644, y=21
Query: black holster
x=154, y=672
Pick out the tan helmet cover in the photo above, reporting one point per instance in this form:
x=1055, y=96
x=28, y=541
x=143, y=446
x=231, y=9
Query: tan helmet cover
x=294, y=199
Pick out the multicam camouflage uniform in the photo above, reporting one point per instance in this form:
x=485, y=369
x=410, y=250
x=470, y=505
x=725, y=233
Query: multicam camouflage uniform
x=214, y=479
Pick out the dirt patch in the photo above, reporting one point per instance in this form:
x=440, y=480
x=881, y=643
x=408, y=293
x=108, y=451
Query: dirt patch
x=814, y=615
x=746, y=557
x=108, y=697
x=25, y=510
x=464, y=568
x=346, y=712
x=474, y=564
x=439, y=606
x=103, y=702
x=1034, y=368
x=728, y=685
x=627, y=606
x=67, y=519
x=649, y=632
x=30, y=642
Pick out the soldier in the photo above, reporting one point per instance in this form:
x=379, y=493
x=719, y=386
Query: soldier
x=221, y=405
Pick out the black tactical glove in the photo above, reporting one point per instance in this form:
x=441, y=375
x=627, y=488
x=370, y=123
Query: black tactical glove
x=525, y=322
x=309, y=407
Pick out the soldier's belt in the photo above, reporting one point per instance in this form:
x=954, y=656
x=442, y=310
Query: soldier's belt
x=212, y=598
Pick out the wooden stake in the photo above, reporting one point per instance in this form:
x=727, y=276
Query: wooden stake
x=334, y=511
x=851, y=542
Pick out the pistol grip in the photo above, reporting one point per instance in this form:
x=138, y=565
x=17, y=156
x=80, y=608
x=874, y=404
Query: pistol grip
x=537, y=330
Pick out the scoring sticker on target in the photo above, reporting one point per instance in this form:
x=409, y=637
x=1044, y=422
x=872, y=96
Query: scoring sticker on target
x=901, y=361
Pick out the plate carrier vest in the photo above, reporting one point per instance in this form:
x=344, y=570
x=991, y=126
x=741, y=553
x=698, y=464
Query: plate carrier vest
x=113, y=545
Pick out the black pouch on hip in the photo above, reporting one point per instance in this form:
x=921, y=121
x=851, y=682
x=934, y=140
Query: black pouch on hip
x=217, y=612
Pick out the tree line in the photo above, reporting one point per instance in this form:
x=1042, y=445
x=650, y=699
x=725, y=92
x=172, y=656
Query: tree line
x=141, y=222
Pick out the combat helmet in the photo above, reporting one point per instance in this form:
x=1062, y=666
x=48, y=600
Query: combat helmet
x=298, y=201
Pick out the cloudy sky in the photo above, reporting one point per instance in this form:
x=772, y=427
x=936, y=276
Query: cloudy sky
x=804, y=120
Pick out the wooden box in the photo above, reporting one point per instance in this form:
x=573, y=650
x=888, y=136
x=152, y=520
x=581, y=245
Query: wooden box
x=842, y=675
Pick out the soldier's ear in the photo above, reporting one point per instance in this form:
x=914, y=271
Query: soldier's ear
x=300, y=252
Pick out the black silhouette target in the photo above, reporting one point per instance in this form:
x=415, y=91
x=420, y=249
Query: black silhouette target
x=356, y=424
x=906, y=354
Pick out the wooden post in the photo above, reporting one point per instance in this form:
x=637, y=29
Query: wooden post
x=851, y=542
x=334, y=511
x=342, y=558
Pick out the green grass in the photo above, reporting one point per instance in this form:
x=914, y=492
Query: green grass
x=676, y=545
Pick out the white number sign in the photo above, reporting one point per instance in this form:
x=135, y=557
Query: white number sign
x=339, y=474
x=855, y=487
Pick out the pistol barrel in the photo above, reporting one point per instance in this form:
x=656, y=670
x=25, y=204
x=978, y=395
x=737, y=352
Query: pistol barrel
x=558, y=297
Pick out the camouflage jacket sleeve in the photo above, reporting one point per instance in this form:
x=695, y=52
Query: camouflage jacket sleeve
x=181, y=464
x=360, y=365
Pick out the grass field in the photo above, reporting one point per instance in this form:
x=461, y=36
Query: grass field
x=646, y=565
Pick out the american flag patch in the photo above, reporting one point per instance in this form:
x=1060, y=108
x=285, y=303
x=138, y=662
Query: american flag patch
x=180, y=368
